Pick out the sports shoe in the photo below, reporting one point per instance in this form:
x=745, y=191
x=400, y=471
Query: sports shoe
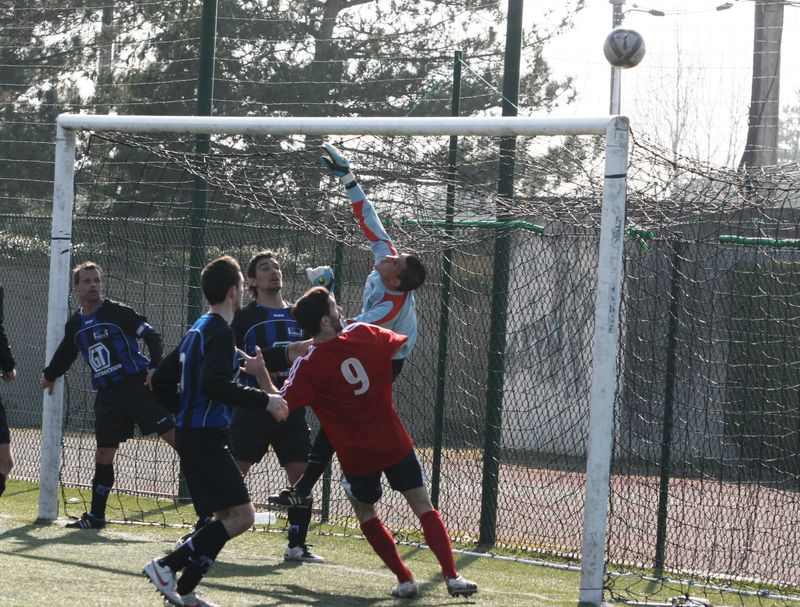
x=458, y=586
x=164, y=580
x=321, y=276
x=87, y=521
x=192, y=600
x=289, y=498
x=406, y=590
x=301, y=554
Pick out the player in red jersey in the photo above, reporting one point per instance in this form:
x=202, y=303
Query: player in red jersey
x=346, y=378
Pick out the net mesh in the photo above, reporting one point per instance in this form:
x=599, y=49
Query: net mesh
x=705, y=465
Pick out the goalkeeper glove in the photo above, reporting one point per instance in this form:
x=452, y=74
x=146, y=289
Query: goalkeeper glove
x=320, y=277
x=337, y=164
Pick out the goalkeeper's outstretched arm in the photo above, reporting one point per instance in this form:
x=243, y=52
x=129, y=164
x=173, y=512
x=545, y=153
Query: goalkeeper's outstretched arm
x=365, y=214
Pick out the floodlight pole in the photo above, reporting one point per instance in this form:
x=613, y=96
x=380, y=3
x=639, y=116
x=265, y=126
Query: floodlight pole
x=616, y=73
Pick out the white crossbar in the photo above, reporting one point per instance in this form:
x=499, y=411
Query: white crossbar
x=497, y=126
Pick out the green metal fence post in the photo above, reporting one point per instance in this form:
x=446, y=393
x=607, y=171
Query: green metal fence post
x=669, y=399
x=199, y=207
x=499, y=311
x=444, y=307
x=338, y=264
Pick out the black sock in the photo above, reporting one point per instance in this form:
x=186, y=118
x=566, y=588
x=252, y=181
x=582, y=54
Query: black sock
x=299, y=520
x=206, y=542
x=195, y=569
x=321, y=453
x=102, y=483
x=198, y=565
x=203, y=521
x=2, y=483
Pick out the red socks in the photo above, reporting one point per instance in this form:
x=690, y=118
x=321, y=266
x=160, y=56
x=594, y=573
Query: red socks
x=439, y=542
x=383, y=544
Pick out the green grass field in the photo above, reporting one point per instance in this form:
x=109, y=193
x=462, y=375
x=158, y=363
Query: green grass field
x=48, y=565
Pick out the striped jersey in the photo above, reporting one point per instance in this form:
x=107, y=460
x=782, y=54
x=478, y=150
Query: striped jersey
x=204, y=368
x=395, y=310
x=257, y=325
x=108, y=340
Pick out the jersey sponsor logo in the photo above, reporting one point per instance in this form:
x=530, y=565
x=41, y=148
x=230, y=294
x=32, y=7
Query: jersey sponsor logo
x=99, y=358
x=102, y=334
x=105, y=372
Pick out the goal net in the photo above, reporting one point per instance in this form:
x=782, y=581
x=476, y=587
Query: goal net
x=538, y=312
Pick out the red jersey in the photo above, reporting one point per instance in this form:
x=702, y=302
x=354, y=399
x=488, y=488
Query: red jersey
x=347, y=381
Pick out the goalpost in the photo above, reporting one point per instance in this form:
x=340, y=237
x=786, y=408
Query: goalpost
x=608, y=271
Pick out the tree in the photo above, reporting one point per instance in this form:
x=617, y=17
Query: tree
x=307, y=57
x=38, y=54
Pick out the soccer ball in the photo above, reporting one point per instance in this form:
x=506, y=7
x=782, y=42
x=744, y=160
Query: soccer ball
x=624, y=48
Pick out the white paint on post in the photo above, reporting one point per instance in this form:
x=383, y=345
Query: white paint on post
x=604, y=363
x=60, y=243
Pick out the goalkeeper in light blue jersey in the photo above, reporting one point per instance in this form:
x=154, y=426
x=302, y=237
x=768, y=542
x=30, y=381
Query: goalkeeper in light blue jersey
x=388, y=301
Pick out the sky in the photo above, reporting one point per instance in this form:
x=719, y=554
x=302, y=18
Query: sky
x=697, y=67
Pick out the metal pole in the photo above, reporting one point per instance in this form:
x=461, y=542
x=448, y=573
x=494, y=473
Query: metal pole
x=199, y=206
x=57, y=311
x=616, y=73
x=669, y=401
x=487, y=126
x=605, y=349
x=338, y=272
x=444, y=298
x=499, y=310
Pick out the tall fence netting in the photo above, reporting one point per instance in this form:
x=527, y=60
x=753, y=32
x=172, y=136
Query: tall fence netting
x=705, y=465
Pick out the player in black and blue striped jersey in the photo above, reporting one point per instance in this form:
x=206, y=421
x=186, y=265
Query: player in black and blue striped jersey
x=199, y=381
x=267, y=323
x=107, y=333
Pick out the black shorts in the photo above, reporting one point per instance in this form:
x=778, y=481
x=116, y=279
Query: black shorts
x=254, y=430
x=5, y=434
x=118, y=407
x=404, y=475
x=212, y=475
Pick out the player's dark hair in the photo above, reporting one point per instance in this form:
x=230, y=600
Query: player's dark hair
x=310, y=308
x=86, y=265
x=253, y=265
x=413, y=275
x=218, y=276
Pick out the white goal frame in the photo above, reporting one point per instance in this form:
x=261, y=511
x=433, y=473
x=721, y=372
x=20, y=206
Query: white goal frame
x=609, y=271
